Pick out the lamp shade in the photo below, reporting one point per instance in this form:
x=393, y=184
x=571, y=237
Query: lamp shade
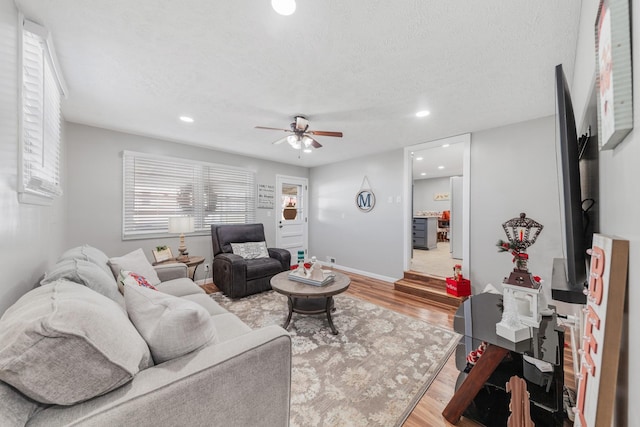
x=181, y=224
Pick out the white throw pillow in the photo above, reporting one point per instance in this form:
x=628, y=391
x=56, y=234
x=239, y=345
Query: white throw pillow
x=63, y=343
x=250, y=250
x=129, y=278
x=137, y=262
x=171, y=326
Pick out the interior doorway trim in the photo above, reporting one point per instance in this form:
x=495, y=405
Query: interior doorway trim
x=466, y=185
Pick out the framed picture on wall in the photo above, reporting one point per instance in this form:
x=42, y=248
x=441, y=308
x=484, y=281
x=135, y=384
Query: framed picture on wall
x=613, y=74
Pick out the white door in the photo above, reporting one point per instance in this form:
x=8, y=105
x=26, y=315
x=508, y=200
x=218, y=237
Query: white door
x=291, y=215
x=455, y=222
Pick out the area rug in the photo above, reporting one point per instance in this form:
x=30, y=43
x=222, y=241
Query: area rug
x=372, y=373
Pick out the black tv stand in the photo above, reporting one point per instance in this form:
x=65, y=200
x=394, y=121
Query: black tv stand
x=480, y=392
x=563, y=291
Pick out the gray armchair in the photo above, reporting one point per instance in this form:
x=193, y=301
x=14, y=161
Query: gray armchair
x=238, y=277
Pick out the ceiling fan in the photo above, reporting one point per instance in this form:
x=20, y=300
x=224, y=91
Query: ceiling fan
x=301, y=137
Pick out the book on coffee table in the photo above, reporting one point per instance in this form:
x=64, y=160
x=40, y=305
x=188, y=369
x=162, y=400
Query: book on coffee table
x=296, y=276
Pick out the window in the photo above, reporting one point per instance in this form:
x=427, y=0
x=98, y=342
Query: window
x=157, y=187
x=41, y=91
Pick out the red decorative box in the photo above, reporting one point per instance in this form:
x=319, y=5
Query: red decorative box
x=458, y=288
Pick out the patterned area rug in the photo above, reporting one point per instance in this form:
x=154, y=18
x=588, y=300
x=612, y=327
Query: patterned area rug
x=372, y=374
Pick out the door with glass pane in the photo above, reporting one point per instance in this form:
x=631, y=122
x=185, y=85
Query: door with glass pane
x=291, y=215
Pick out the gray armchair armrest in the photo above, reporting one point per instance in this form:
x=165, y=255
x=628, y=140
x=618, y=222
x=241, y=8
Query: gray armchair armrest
x=282, y=255
x=245, y=381
x=171, y=271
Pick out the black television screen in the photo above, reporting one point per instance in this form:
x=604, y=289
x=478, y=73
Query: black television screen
x=575, y=263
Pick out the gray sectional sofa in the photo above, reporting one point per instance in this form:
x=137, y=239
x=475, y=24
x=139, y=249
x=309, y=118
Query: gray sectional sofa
x=75, y=351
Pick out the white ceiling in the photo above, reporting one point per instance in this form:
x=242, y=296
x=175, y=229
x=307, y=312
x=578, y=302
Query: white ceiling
x=361, y=67
x=427, y=162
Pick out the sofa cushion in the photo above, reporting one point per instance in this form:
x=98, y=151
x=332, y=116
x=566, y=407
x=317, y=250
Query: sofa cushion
x=208, y=303
x=137, y=262
x=170, y=325
x=63, y=343
x=180, y=287
x=263, y=267
x=15, y=407
x=250, y=250
x=88, y=253
x=85, y=273
x=229, y=326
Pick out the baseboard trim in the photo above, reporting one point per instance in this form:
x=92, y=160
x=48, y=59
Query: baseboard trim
x=364, y=273
x=204, y=282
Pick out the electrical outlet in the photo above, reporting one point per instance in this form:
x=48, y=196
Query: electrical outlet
x=206, y=268
x=331, y=259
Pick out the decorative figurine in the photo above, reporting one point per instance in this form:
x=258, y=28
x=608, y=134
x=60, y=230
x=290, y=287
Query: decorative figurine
x=523, y=300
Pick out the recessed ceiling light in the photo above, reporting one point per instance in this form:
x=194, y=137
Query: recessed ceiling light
x=440, y=167
x=423, y=113
x=284, y=7
x=445, y=145
x=423, y=173
x=186, y=119
x=419, y=158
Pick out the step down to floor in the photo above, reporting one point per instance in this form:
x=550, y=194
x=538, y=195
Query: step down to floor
x=430, y=288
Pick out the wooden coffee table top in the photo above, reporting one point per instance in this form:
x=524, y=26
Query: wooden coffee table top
x=281, y=284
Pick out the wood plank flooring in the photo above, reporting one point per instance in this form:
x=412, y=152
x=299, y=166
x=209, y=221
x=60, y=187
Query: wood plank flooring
x=428, y=412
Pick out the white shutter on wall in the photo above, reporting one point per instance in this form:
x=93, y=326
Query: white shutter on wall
x=157, y=187
x=41, y=91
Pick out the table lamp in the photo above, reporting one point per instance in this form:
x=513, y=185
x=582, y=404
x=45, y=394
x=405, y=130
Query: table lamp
x=181, y=224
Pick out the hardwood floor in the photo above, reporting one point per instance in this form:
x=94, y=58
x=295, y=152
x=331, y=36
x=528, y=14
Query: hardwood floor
x=428, y=412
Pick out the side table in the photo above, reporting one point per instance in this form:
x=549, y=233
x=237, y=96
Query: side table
x=192, y=264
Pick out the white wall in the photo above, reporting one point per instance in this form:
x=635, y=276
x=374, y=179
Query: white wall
x=620, y=204
x=423, y=191
x=369, y=242
x=513, y=170
x=31, y=235
x=95, y=188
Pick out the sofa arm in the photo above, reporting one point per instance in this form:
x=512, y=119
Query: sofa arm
x=282, y=255
x=245, y=381
x=171, y=271
x=230, y=274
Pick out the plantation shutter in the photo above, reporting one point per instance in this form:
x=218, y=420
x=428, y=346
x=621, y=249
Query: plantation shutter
x=40, y=118
x=157, y=188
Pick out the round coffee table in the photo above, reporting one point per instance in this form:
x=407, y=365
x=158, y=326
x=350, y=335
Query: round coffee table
x=310, y=299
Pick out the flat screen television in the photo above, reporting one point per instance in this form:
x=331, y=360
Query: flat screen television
x=570, y=287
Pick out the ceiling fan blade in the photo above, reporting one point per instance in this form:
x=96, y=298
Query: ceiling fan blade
x=281, y=140
x=325, y=133
x=263, y=127
x=315, y=144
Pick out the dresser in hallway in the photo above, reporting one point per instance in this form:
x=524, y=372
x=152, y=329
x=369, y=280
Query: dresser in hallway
x=425, y=232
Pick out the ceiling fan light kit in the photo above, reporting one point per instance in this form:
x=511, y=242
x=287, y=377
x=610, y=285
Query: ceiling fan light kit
x=301, y=135
x=284, y=7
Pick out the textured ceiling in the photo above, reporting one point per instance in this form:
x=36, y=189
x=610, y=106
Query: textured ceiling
x=361, y=67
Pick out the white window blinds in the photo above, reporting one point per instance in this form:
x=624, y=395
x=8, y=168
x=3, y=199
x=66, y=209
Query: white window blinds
x=157, y=187
x=41, y=91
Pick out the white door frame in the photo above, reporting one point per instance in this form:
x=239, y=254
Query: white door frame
x=304, y=182
x=408, y=196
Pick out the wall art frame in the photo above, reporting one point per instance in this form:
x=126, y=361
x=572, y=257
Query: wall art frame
x=614, y=80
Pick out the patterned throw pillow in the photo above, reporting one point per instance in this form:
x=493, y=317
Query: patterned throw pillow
x=251, y=250
x=129, y=278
